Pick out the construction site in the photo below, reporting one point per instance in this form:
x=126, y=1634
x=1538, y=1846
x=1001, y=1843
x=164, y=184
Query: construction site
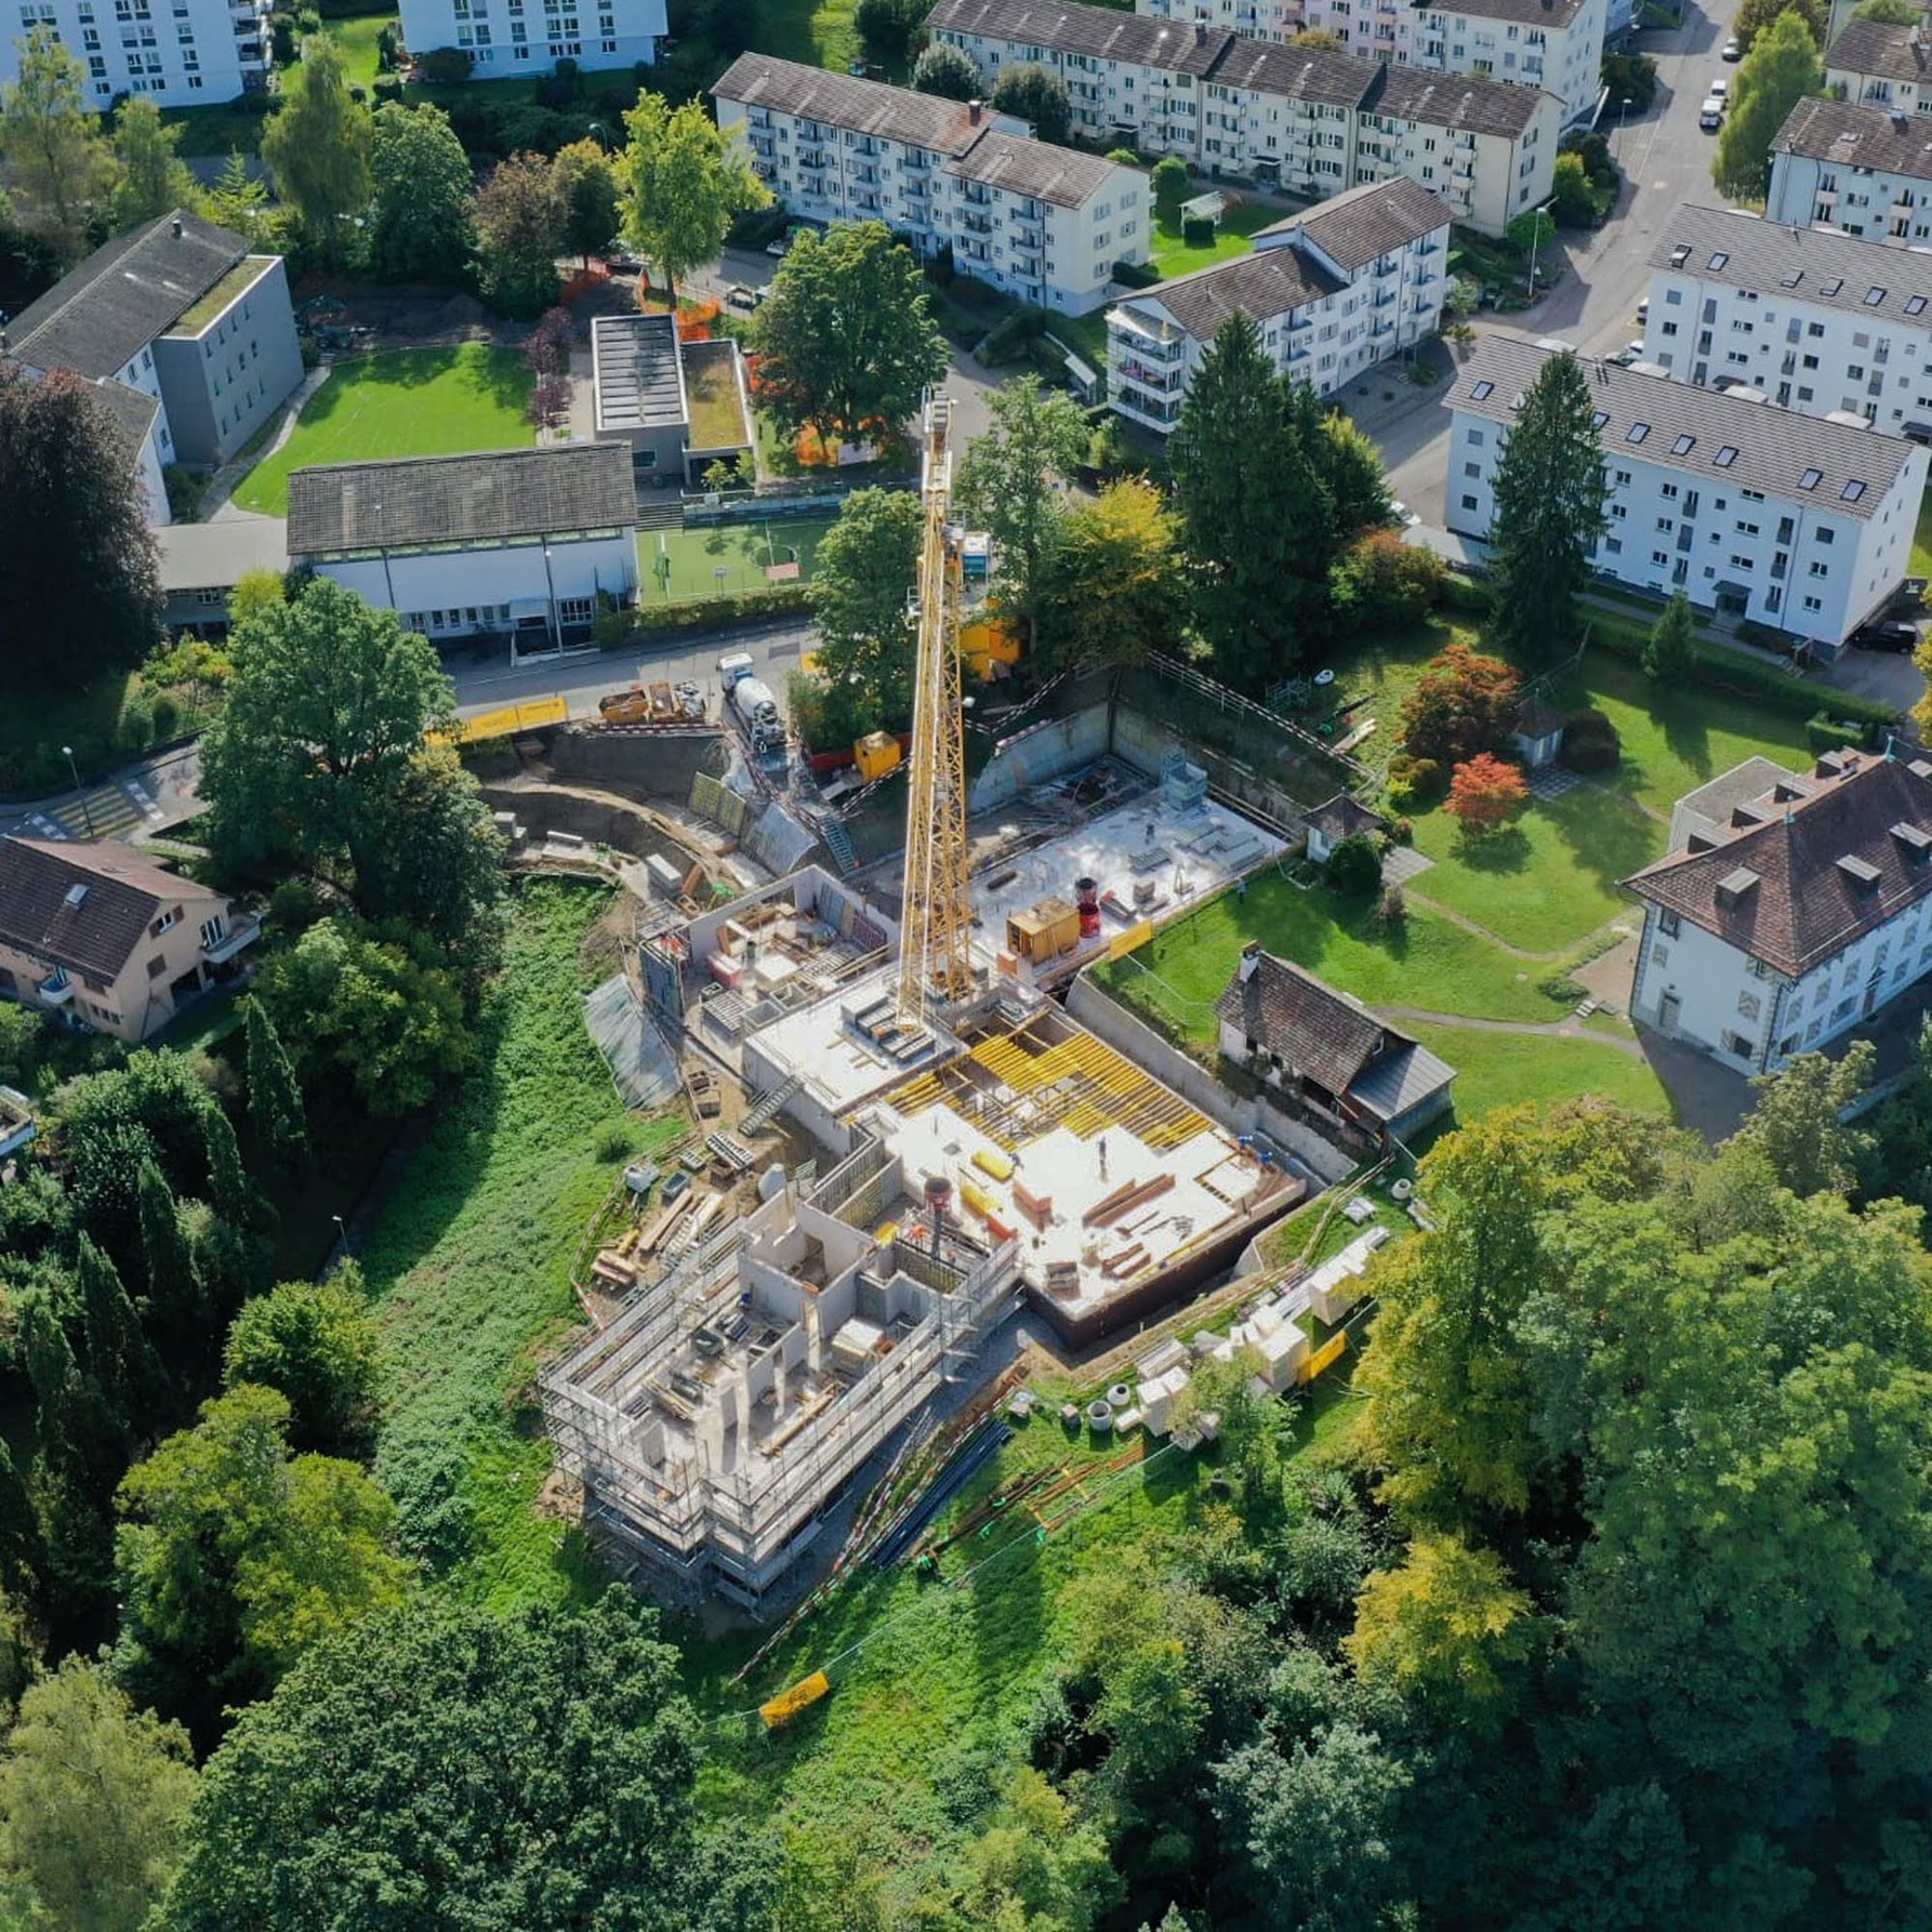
x=904, y=1139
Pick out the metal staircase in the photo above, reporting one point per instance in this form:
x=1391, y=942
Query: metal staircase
x=832, y=831
x=768, y=1109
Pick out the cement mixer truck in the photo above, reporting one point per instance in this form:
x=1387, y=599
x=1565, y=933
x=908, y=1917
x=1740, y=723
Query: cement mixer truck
x=756, y=708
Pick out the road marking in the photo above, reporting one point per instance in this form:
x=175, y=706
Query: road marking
x=1660, y=186
x=141, y=799
x=48, y=828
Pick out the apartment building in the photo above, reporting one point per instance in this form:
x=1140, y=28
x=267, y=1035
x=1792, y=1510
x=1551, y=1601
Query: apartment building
x=1335, y=291
x=1310, y=120
x=1802, y=524
x=1878, y=65
x=179, y=313
x=1821, y=323
x=1798, y=908
x=1044, y=224
x=182, y=53
x=1867, y=170
x=508, y=37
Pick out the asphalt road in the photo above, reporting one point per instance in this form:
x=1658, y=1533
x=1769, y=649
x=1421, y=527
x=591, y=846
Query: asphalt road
x=1666, y=162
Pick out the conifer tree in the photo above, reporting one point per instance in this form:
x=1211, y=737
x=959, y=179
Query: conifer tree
x=274, y=1096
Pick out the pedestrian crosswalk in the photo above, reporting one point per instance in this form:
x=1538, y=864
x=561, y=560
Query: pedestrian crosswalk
x=109, y=811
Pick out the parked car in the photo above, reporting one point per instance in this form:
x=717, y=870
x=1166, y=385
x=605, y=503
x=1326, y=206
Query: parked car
x=1623, y=358
x=1720, y=88
x=1732, y=50
x=778, y=244
x=1643, y=311
x=739, y=296
x=1889, y=634
x=1711, y=116
x=1634, y=349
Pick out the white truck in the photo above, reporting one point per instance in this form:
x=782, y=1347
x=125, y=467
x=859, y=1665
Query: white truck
x=756, y=708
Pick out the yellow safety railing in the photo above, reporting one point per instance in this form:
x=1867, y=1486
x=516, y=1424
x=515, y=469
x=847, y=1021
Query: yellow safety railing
x=507, y=718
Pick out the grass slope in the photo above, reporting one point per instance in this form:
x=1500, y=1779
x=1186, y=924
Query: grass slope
x=469, y=1270
x=1499, y=1070
x=407, y=402
x=356, y=35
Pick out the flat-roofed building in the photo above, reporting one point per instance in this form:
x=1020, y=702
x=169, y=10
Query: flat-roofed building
x=523, y=543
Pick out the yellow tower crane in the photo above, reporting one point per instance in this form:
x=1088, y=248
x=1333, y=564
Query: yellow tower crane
x=935, y=939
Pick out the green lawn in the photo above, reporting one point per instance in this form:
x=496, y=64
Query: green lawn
x=1172, y=257
x=408, y=402
x=1427, y=962
x=1921, y=538
x=820, y=33
x=1497, y=1070
x=356, y=35
x=226, y=128
x=743, y=550
x=468, y=1268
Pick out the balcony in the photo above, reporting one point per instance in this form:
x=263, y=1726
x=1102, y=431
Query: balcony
x=977, y=224
x=1163, y=382
x=1147, y=340
x=230, y=937
x=56, y=990
x=1157, y=412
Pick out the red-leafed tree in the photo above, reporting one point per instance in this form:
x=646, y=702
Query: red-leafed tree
x=1464, y=703
x=1485, y=793
x=548, y=350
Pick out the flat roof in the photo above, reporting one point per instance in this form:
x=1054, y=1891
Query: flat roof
x=638, y=373
x=235, y=284
x=208, y=557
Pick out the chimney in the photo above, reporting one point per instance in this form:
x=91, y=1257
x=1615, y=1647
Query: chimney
x=1251, y=957
x=974, y=111
x=1199, y=32
x=176, y=226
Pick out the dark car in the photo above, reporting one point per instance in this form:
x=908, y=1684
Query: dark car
x=1891, y=634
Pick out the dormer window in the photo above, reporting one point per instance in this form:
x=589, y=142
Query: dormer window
x=1862, y=875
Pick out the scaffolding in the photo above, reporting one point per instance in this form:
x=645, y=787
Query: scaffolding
x=716, y=1419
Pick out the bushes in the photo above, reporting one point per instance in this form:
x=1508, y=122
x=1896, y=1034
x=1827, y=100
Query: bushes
x=1198, y=230
x=1384, y=582
x=1008, y=339
x=740, y=606
x=446, y=67
x=1414, y=784
x=1590, y=742
x=1354, y=867
x=1464, y=595
x=1136, y=274
x=1170, y=188
x=1826, y=733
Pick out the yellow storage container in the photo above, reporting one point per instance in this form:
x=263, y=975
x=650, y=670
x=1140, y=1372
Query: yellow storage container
x=976, y=1199
x=990, y=1161
x=876, y=755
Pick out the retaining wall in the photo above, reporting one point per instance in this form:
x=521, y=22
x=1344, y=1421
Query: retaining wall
x=662, y=765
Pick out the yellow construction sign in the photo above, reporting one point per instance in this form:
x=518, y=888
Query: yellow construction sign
x=1329, y=1353
x=507, y=718
x=802, y=1695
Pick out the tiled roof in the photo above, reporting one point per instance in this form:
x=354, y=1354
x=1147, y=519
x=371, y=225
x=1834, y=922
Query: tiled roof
x=1878, y=48
x=453, y=499
x=83, y=904
x=1324, y=75
x=132, y=412
x=1779, y=892
x=1379, y=217
x=1524, y=12
x=1857, y=137
x=1721, y=439
x=866, y=106
x=1314, y=1027
x=1799, y=265
x=1018, y=164
x=1455, y=102
x=1098, y=32
x=1270, y=283
x=105, y=310
x=1342, y=818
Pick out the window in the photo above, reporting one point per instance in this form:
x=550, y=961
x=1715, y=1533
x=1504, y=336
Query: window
x=1749, y=1007
x=1477, y=439
x=1873, y=296
x=1916, y=307
x=156, y=966
x=1599, y=418
x=576, y=609
x=1683, y=445
x=1482, y=392
x=1468, y=502
x=1829, y=287
x=172, y=916
x=1668, y=924
x=1637, y=433
x=1825, y=533
x=213, y=931
x=1737, y=1045
x=1660, y=956
x=1811, y=480
x=1726, y=456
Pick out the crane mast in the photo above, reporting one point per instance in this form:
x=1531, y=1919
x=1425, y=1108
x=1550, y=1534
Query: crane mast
x=936, y=942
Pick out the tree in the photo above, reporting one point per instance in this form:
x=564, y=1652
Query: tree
x=862, y=584
x=230, y=1192
x=518, y=217
x=1575, y=201
x=1354, y=867
x=1531, y=231
x=888, y=27
x=1036, y=1864
x=93, y=1799
x=847, y=340
x=238, y=200
x=1780, y=70
x=154, y=179
x=120, y=1360
x=1670, y=651
x=316, y=146
x=1755, y=15
x=420, y=186
x=233, y=1558
x=378, y=1006
x=1890, y=12
x=1170, y=188
x=548, y=350
x=1798, y=1126
x=549, y=1759
x=58, y=169
x=1462, y=704
x=1115, y=589
x=275, y=1115
x=587, y=187
x=1382, y=583
x=948, y=72
x=80, y=1453
x=1031, y=92
x=72, y=536
x=316, y=1344
x=1352, y=467
x=685, y=180
x=1010, y=485
x=1485, y=793
x=1549, y=493
x=1255, y=516
x=177, y=1304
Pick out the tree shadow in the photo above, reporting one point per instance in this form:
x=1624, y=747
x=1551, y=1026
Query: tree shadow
x=1609, y=837
x=1507, y=849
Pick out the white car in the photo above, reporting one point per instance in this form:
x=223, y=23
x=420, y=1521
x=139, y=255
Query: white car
x=1643, y=311
x=1711, y=116
x=1720, y=88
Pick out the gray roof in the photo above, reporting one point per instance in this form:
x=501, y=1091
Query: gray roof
x=1733, y=439
x=1324, y=75
x=1355, y=228
x=1456, y=101
x=1857, y=138
x=211, y=556
x=1343, y=818
x=1398, y=1082
x=1526, y=13
x=1815, y=266
x=1876, y=47
x=638, y=373
x=105, y=310
x=867, y=106
x=1317, y=1030
x=1270, y=283
x=133, y=413
x=1020, y=165
x=456, y=499
x=1098, y=32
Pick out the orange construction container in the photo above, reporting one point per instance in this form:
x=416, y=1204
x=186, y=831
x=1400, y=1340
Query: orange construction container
x=876, y=754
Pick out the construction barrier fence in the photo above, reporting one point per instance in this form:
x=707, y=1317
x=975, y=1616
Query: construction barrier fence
x=509, y=719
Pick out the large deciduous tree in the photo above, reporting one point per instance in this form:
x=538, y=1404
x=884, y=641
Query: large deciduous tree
x=317, y=1343
x=685, y=180
x=522, y=1774
x=316, y=146
x=1010, y=485
x=1549, y=493
x=154, y=179
x=1115, y=589
x=420, y=183
x=518, y=217
x=1755, y=15
x=1031, y=92
x=948, y=72
x=1256, y=514
x=1780, y=70
x=59, y=170
x=80, y=574
x=587, y=187
x=93, y=1799
x=847, y=340
x=862, y=586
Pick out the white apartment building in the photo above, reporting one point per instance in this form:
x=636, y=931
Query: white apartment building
x=1793, y=914
x=1800, y=523
x=508, y=37
x=1877, y=64
x=1867, y=170
x=183, y=53
x=1821, y=323
x=1309, y=120
x=1045, y=224
x=1349, y=284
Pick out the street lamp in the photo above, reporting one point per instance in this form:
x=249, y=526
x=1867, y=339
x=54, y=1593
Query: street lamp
x=73, y=771
x=1535, y=239
x=555, y=628
x=341, y=1233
